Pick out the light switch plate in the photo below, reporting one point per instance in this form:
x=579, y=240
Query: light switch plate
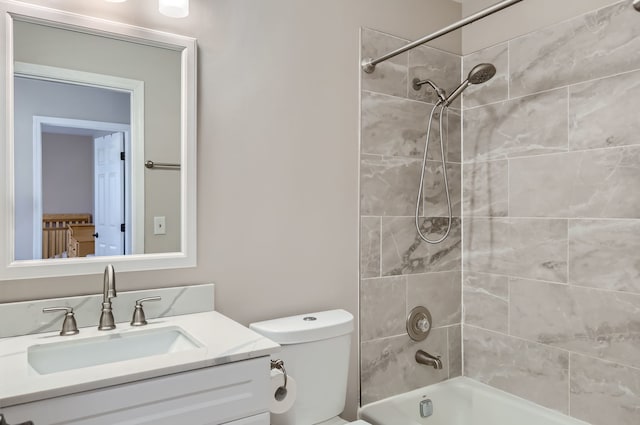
x=159, y=226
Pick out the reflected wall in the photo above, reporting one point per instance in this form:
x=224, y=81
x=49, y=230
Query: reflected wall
x=158, y=68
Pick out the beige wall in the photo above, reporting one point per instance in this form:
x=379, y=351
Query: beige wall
x=277, y=150
x=519, y=19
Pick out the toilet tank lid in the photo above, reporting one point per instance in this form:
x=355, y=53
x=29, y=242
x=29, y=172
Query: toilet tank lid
x=306, y=327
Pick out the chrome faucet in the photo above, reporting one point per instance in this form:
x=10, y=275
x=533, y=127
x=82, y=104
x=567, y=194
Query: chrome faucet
x=106, y=317
x=425, y=358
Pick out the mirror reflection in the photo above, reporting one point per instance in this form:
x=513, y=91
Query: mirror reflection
x=89, y=111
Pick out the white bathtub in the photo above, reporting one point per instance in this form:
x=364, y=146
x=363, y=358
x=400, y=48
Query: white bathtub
x=461, y=401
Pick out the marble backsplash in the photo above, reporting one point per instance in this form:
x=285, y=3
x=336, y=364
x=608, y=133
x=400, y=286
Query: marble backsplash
x=398, y=270
x=551, y=216
x=22, y=318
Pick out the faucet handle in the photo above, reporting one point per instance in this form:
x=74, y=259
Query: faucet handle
x=139, y=318
x=69, y=326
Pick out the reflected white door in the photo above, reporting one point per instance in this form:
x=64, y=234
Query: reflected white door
x=109, y=194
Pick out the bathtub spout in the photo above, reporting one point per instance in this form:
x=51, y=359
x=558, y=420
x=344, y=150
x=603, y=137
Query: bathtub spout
x=425, y=358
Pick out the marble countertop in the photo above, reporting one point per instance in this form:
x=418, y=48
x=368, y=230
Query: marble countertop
x=222, y=341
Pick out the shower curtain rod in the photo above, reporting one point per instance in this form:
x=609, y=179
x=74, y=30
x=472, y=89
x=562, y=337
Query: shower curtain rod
x=369, y=64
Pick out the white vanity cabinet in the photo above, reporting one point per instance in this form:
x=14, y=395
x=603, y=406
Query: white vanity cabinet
x=233, y=393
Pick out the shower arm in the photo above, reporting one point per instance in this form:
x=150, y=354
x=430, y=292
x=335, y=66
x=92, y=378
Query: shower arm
x=369, y=64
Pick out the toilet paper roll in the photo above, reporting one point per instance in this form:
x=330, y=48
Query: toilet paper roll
x=280, y=402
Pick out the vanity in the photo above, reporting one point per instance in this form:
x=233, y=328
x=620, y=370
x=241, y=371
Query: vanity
x=195, y=368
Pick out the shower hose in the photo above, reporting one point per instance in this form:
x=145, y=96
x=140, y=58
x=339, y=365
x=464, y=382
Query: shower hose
x=443, y=109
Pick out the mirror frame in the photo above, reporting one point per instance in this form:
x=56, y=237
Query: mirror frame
x=33, y=269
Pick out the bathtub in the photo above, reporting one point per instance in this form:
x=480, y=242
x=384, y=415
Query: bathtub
x=461, y=401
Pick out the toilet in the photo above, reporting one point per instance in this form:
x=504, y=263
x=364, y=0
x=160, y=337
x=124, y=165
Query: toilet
x=315, y=351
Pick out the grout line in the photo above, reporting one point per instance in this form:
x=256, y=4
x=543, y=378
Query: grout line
x=572, y=285
x=569, y=386
x=421, y=102
x=568, y=252
x=559, y=152
x=462, y=231
x=503, y=217
x=508, y=188
x=412, y=274
x=404, y=334
x=380, y=250
x=553, y=347
x=447, y=347
x=558, y=88
x=569, y=121
x=508, y=70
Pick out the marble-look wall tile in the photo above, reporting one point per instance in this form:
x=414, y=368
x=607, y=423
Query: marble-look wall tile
x=440, y=293
x=504, y=130
x=454, y=135
x=486, y=301
x=388, y=365
x=382, y=307
x=403, y=252
x=486, y=189
x=594, y=45
x=604, y=254
x=604, y=393
x=486, y=245
x=394, y=126
x=390, y=77
x=388, y=185
x=497, y=88
x=528, y=248
x=454, y=336
x=434, y=193
x=589, y=321
x=591, y=184
x=526, y=369
x=370, y=246
x=441, y=67
x=604, y=113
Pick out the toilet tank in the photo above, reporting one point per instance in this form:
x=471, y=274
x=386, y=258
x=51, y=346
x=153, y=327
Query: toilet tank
x=315, y=351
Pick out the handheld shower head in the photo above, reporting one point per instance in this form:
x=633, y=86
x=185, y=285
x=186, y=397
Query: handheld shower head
x=478, y=75
x=481, y=73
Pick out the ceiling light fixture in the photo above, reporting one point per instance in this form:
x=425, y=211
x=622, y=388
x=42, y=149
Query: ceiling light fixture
x=171, y=8
x=174, y=8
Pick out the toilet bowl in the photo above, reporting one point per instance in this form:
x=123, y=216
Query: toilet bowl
x=315, y=351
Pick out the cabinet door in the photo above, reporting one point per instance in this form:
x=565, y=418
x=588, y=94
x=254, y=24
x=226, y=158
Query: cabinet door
x=209, y=396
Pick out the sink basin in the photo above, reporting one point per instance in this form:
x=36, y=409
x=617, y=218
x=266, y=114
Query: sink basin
x=117, y=347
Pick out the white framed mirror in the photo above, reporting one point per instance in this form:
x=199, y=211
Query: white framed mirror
x=98, y=147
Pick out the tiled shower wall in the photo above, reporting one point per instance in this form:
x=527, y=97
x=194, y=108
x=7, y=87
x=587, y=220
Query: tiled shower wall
x=398, y=270
x=552, y=218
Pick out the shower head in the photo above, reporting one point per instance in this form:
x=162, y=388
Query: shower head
x=481, y=73
x=636, y=5
x=478, y=75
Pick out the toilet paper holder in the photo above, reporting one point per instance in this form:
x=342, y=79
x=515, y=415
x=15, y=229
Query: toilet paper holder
x=279, y=364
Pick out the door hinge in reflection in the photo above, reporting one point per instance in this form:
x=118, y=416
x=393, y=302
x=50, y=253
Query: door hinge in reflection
x=123, y=227
x=121, y=156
